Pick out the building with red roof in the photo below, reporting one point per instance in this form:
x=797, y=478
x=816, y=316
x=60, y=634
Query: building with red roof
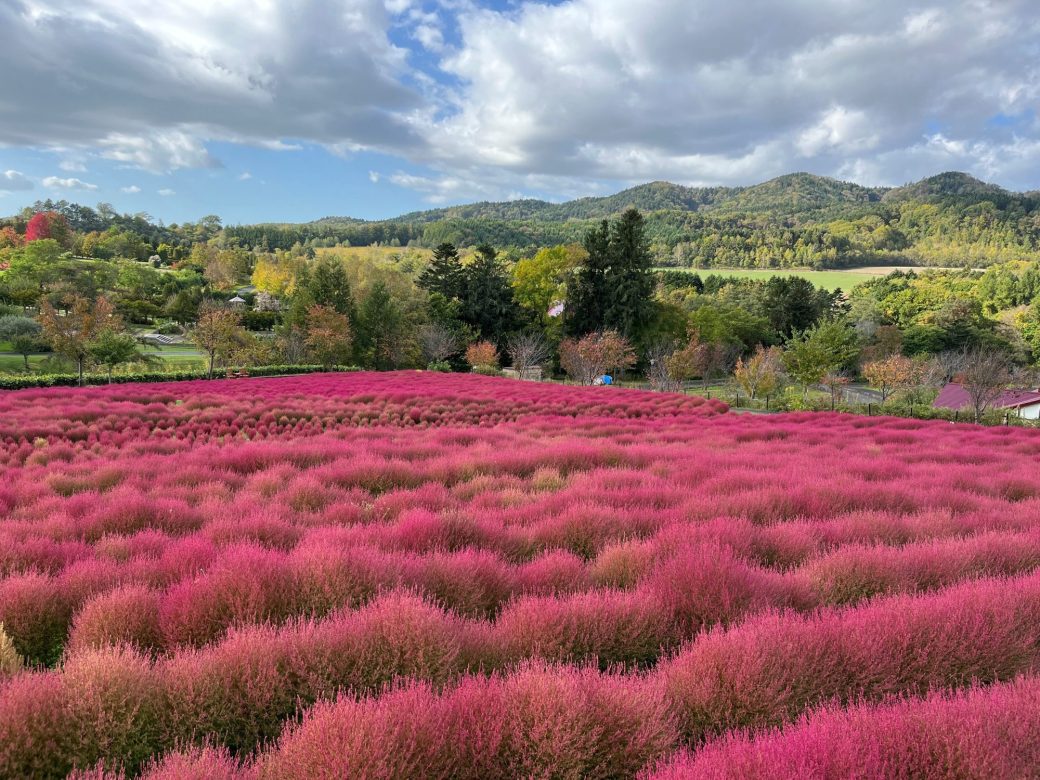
x=1024, y=403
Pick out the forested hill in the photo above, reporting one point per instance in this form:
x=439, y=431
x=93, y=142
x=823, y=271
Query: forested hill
x=791, y=221
x=797, y=220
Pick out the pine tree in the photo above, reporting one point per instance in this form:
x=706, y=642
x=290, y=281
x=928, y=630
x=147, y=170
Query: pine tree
x=445, y=274
x=629, y=306
x=329, y=286
x=587, y=292
x=488, y=305
x=614, y=289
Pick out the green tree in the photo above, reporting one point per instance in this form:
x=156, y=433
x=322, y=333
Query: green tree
x=217, y=333
x=794, y=304
x=111, y=348
x=328, y=285
x=629, y=279
x=488, y=305
x=541, y=281
x=24, y=335
x=824, y=348
x=587, y=291
x=71, y=334
x=444, y=275
x=382, y=340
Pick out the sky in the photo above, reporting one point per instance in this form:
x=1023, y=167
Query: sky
x=291, y=110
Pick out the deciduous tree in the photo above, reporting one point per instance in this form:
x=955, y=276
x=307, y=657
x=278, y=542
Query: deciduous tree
x=483, y=356
x=759, y=374
x=217, y=333
x=329, y=337
x=111, y=348
x=528, y=350
x=70, y=334
x=592, y=356
x=890, y=374
x=24, y=335
x=985, y=374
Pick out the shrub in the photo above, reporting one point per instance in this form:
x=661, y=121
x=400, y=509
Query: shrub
x=981, y=732
x=127, y=615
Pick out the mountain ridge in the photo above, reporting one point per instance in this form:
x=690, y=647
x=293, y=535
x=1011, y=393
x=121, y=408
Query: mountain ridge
x=790, y=194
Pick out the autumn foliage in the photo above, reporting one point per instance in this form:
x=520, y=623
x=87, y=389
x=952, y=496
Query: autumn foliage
x=47, y=224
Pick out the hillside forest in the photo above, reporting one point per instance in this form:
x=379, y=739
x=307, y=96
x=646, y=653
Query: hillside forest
x=633, y=282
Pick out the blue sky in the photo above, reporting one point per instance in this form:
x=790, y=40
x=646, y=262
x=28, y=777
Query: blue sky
x=290, y=110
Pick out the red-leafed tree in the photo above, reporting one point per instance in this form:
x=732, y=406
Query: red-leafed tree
x=47, y=224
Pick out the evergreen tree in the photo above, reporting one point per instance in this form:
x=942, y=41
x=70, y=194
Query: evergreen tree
x=629, y=280
x=488, y=305
x=587, y=292
x=614, y=289
x=445, y=274
x=381, y=330
x=329, y=286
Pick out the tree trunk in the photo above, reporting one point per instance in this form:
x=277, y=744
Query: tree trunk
x=79, y=363
x=212, y=357
x=26, y=359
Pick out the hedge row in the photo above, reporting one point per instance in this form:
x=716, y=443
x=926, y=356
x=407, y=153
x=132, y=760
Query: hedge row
x=71, y=380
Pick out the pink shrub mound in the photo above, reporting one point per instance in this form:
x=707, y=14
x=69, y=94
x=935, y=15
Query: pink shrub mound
x=992, y=732
x=773, y=667
x=457, y=575
x=538, y=722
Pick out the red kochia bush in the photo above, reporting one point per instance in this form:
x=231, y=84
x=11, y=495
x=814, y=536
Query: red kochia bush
x=248, y=585
x=613, y=627
x=984, y=732
x=706, y=584
x=205, y=762
x=125, y=615
x=35, y=612
x=104, y=706
x=773, y=667
x=538, y=722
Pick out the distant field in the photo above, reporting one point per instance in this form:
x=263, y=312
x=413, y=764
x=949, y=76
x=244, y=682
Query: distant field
x=828, y=280
x=375, y=252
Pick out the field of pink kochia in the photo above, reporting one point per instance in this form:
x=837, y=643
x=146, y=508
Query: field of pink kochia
x=413, y=575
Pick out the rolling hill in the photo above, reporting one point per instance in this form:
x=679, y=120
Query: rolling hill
x=796, y=220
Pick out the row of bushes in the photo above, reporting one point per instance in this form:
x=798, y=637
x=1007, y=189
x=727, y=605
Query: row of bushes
x=72, y=380
x=624, y=607
x=793, y=400
x=105, y=704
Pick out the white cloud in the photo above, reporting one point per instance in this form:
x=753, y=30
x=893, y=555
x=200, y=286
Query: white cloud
x=702, y=91
x=133, y=189
x=167, y=192
x=56, y=183
x=570, y=93
x=373, y=176
x=149, y=85
x=839, y=129
x=245, y=176
x=14, y=181
x=72, y=166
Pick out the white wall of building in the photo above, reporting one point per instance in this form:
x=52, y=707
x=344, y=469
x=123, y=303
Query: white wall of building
x=1030, y=412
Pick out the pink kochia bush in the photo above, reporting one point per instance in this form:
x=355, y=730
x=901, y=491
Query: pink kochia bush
x=538, y=722
x=983, y=732
x=458, y=575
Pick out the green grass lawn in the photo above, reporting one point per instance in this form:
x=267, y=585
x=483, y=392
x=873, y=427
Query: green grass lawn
x=178, y=357
x=828, y=280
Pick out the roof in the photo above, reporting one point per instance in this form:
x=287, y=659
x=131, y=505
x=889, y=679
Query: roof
x=237, y=299
x=953, y=396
